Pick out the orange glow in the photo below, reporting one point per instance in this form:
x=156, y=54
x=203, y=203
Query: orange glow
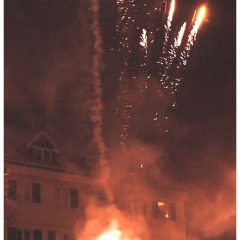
x=113, y=233
x=200, y=16
x=166, y=215
x=160, y=204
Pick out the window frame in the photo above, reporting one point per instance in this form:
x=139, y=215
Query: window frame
x=40, y=191
x=53, y=237
x=35, y=231
x=14, y=233
x=42, y=154
x=12, y=196
x=74, y=199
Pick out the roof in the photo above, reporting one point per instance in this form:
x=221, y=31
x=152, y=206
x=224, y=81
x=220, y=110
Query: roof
x=47, y=137
x=16, y=140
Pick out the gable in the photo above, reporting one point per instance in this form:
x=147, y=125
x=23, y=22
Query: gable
x=42, y=140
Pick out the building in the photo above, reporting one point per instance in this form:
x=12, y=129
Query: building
x=161, y=205
x=45, y=197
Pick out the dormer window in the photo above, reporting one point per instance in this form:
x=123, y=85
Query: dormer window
x=42, y=149
x=43, y=155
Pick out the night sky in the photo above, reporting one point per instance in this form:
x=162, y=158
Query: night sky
x=46, y=73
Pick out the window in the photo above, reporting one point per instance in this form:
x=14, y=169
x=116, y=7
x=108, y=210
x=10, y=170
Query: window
x=12, y=191
x=36, y=193
x=172, y=210
x=73, y=198
x=18, y=234
x=14, y=234
x=11, y=233
x=154, y=210
x=160, y=210
x=143, y=209
x=38, y=154
x=65, y=237
x=51, y=235
x=37, y=235
x=26, y=235
x=43, y=155
x=68, y=237
x=47, y=155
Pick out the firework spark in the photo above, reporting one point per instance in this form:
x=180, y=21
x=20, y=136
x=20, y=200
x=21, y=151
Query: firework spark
x=168, y=26
x=171, y=11
x=167, y=55
x=143, y=39
x=179, y=38
x=200, y=17
x=185, y=54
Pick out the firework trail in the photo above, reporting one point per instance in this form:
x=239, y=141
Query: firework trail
x=179, y=38
x=143, y=40
x=168, y=26
x=144, y=43
x=166, y=55
x=185, y=53
x=97, y=106
x=173, y=52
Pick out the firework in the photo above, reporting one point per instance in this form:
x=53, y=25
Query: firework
x=140, y=35
x=185, y=53
x=96, y=108
x=168, y=26
x=143, y=41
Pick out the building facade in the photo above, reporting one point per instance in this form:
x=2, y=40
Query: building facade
x=44, y=199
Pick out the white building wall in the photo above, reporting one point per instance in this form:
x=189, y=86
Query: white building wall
x=53, y=213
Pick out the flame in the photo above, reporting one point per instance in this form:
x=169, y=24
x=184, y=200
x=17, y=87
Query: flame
x=180, y=35
x=112, y=233
x=171, y=11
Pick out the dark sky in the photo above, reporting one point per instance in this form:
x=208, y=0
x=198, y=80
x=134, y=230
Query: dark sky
x=44, y=58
